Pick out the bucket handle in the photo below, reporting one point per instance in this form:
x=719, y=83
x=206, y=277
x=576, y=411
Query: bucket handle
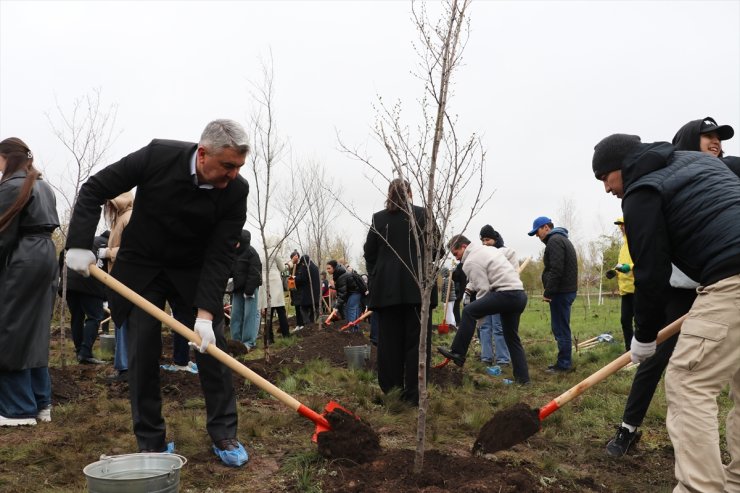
x=108, y=458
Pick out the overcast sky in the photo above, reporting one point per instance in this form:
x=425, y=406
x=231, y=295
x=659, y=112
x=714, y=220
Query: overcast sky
x=542, y=82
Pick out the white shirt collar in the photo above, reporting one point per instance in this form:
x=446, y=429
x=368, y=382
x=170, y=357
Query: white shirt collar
x=205, y=186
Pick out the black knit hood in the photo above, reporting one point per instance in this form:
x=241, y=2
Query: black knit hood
x=687, y=138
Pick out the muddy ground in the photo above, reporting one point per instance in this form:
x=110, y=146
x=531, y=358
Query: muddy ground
x=94, y=419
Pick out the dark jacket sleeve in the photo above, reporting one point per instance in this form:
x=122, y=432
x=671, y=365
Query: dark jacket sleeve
x=649, y=246
x=555, y=253
x=254, y=272
x=340, y=285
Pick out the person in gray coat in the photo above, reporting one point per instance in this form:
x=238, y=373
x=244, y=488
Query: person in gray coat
x=28, y=278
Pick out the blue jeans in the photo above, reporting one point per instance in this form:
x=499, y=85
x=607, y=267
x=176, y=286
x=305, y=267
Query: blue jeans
x=245, y=318
x=352, y=308
x=120, y=358
x=491, y=325
x=510, y=305
x=86, y=313
x=560, y=304
x=24, y=393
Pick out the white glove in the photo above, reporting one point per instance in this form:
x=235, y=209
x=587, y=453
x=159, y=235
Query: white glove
x=466, y=299
x=79, y=260
x=103, y=252
x=204, y=328
x=640, y=351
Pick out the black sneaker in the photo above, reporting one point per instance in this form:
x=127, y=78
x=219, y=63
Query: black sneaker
x=622, y=441
x=558, y=369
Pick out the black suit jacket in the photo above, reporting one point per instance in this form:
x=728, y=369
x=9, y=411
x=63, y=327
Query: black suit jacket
x=390, y=250
x=187, y=233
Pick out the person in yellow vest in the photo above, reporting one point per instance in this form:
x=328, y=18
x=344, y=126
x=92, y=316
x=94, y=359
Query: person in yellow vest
x=626, y=283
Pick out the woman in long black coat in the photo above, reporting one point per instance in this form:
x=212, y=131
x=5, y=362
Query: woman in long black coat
x=28, y=273
x=390, y=251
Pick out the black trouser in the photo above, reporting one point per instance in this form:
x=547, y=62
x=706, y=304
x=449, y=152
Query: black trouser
x=627, y=315
x=398, y=349
x=649, y=372
x=86, y=312
x=308, y=313
x=282, y=321
x=144, y=334
x=510, y=305
x=456, y=309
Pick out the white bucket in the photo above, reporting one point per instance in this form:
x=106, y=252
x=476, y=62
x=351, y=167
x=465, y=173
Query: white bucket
x=135, y=473
x=357, y=356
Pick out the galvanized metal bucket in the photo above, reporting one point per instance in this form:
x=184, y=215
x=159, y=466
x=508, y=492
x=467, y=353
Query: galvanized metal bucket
x=108, y=342
x=357, y=356
x=135, y=473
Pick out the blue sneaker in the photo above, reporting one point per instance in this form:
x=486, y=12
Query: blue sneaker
x=231, y=452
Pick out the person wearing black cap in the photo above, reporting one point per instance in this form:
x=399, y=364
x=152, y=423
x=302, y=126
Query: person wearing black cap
x=560, y=282
x=706, y=136
x=490, y=331
x=683, y=207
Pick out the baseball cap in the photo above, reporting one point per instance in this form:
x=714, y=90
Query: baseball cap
x=538, y=223
x=724, y=132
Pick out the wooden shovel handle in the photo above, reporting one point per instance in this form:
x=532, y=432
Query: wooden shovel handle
x=214, y=351
x=610, y=369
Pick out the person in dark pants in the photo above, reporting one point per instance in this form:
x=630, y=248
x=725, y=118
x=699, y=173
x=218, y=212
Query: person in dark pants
x=458, y=277
x=85, y=298
x=395, y=297
x=178, y=248
x=626, y=284
x=560, y=279
x=499, y=290
x=697, y=135
x=308, y=283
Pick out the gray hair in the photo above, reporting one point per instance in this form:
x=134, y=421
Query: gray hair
x=220, y=134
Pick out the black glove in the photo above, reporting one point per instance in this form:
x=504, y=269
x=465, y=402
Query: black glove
x=611, y=273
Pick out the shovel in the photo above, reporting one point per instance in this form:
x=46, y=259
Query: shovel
x=516, y=424
x=362, y=317
x=320, y=421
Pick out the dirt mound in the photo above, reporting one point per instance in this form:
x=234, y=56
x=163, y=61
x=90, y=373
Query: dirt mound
x=507, y=427
x=392, y=472
x=350, y=439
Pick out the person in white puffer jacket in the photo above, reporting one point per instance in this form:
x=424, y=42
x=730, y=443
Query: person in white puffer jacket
x=498, y=289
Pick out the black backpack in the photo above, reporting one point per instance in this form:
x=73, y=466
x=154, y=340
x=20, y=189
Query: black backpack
x=360, y=283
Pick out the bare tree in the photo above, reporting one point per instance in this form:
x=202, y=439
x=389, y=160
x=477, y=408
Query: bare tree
x=87, y=132
x=322, y=211
x=444, y=166
x=277, y=207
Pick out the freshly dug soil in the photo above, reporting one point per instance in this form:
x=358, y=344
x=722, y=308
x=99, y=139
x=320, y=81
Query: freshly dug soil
x=350, y=439
x=507, y=427
x=392, y=472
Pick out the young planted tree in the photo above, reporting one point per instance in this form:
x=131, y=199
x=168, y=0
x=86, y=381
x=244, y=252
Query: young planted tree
x=277, y=205
x=87, y=132
x=435, y=160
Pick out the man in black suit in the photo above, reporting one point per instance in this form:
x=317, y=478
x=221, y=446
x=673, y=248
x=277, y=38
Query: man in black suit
x=395, y=297
x=179, y=247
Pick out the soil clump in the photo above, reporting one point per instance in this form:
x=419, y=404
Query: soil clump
x=351, y=439
x=507, y=427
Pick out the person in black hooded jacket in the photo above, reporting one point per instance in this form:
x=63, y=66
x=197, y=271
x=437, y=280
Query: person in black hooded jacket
x=683, y=208
x=247, y=275
x=706, y=136
x=349, y=293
